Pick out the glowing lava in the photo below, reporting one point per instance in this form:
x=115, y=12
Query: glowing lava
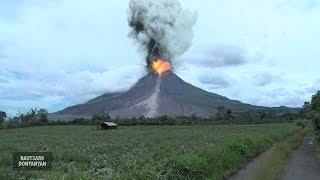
x=160, y=66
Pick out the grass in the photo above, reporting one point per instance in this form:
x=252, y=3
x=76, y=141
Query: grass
x=274, y=165
x=141, y=152
x=317, y=145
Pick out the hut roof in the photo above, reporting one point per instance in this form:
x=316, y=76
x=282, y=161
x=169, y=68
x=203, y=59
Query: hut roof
x=109, y=123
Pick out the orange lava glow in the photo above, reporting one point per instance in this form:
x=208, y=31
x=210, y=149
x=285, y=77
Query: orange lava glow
x=160, y=66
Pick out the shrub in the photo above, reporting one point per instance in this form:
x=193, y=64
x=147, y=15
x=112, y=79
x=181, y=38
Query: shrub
x=300, y=123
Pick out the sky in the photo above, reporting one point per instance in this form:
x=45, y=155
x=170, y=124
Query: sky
x=57, y=53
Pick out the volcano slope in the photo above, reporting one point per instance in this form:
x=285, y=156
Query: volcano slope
x=155, y=95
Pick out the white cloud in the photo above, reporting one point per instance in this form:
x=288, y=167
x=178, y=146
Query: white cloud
x=78, y=87
x=62, y=52
x=264, y=78
x=11, y=113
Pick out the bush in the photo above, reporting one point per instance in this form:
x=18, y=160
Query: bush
x=12, y=124
x=300, y=123
x=100, y=117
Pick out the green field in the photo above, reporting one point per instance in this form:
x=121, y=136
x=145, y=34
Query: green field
x=161, y=152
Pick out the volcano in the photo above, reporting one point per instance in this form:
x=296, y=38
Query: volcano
x=155, y=95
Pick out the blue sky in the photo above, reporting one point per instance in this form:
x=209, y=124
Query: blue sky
x=56, y=53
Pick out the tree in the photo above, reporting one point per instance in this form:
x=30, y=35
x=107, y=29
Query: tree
x=315, y=102
x=3, y=115
x=307, y=106
x=42, y=114
x=219, y=113
x=288, y=116
x=12, y=123
x=305, y=112
x=32, y=115
x=229, y=114
x=29, y=117
x=100, y=117
x=267, y=115
x=223, y=113
x=315, y=108
x=249, y=116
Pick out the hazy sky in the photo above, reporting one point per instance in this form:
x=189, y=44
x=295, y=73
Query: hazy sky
x=56, y=53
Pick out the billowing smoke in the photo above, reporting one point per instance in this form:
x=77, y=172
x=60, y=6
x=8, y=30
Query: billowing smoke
x=162, y=28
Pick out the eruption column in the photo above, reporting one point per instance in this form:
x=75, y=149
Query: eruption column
x=162, y=28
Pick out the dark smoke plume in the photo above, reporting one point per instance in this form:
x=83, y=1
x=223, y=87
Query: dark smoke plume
x=162, y=28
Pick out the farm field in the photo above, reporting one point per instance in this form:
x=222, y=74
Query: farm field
x=155, y=152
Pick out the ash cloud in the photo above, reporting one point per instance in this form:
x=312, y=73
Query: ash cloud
x=162, y=28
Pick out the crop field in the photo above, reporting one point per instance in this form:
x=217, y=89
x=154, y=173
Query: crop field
x=140, y=152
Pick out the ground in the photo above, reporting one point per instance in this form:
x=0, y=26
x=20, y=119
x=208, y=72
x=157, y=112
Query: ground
x=291, y=159
x=248, y=171
x=138, y=150
x=302, y=163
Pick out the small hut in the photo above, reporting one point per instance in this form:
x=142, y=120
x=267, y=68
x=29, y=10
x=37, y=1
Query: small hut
x=108, y=125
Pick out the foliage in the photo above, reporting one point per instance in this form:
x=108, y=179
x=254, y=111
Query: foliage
x=290, y=116
x=315, y=110
x=315, y=102
x=267, y=115
x=224, y=116
x=223, y=113
x=43, y=115
x=12, y=123
x=305, y=112
x=29, y=117
x=245, y=118
x=315, y=107
x=100, y=117
x=139, y=152
x=301, y=123
x=3, y=115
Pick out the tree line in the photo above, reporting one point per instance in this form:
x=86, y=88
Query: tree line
x=310, y=110
x=30, y=118
x=313, y=112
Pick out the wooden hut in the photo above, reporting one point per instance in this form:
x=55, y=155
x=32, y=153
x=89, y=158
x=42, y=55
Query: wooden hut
x=108, y=125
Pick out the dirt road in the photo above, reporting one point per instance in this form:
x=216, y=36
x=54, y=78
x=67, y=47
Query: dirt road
x=302, y=164
x=246, y=172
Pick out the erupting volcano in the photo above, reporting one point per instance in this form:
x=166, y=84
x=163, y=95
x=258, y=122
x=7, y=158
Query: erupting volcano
x=163, y=29
x=155, y=95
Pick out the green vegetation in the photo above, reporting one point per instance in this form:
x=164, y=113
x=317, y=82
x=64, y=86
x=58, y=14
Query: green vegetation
x=223, y=116
x=100, y=117
x=141, y=152
x=97, y=118
x=31, y=118
x=315, y=111
x=224, y=113
x=3, y=115
x=42, y=115
x=273, y=166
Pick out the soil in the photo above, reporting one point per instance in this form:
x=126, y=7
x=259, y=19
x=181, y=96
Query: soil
x=246, y=172
x=302, y=164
